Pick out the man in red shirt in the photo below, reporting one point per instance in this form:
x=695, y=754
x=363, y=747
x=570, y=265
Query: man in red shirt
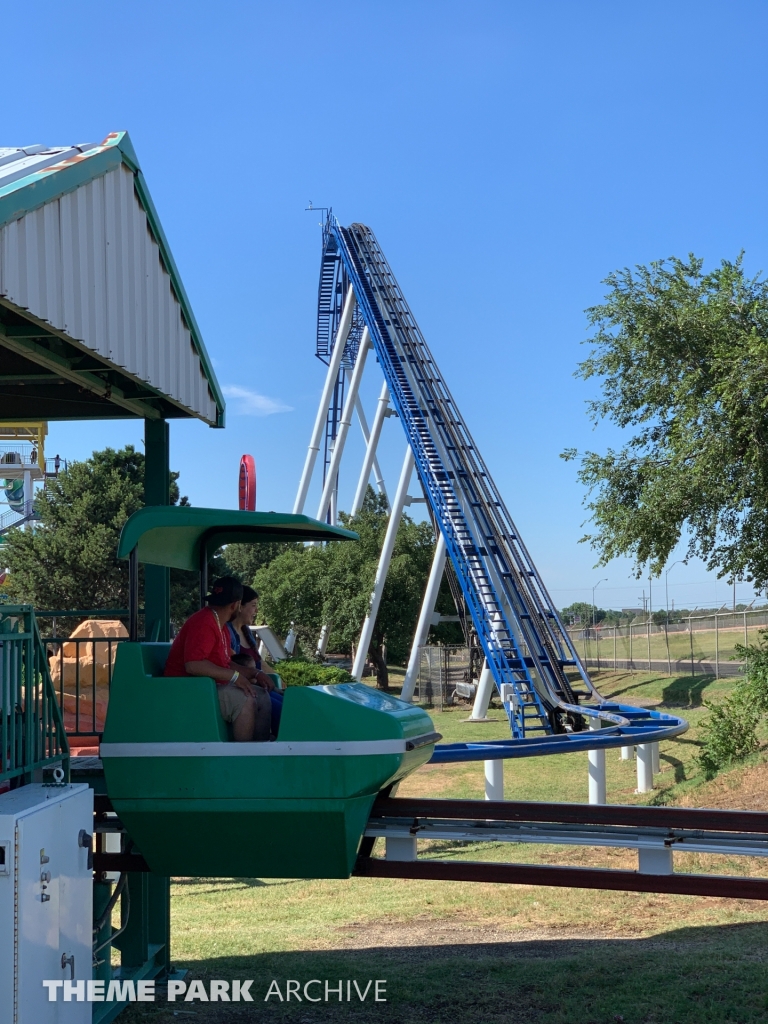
x=201, y=648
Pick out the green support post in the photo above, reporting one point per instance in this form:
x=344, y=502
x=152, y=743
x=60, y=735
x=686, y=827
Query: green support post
x=157, y=484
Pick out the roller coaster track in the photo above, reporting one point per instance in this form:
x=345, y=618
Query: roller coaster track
x=545, y=688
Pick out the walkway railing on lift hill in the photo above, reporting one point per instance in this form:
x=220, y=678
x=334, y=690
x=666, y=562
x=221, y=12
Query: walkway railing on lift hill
x=697, y=644
x=31, y=725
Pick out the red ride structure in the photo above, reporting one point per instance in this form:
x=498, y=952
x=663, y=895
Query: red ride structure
x=247, y=494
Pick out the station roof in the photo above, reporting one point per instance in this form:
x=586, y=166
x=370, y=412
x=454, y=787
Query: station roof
x=94, y=319
x=173, y=535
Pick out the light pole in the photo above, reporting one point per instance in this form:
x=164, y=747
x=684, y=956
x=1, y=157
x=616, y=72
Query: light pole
x=593, y=598
x=666, y=583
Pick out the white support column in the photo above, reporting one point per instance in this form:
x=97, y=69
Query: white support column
x=377, y=474
x=322, y=411
x=655, y=759
x=597, y=784
x=652, y=861
x=322, y=643
x=400, y=848
x=644, y=768
x=627, y=753
x=483, y=695
x=382, y=410
x=425, y=616
x=344, y=424
x=494, y=779
x=384, y=559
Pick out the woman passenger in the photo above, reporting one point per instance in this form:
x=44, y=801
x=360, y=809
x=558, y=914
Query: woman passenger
x=243, y=641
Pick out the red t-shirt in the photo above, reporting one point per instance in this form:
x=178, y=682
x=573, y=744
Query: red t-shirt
x=199, y=639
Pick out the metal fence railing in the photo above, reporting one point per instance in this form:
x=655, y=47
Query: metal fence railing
x=81, y=673
x=441, y=668
x=697, y=644
x=32, y=731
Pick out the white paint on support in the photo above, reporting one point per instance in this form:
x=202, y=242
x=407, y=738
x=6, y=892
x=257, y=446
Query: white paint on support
x=344, y=424
x=654, y=860
x=655, y=759
x=322, y=643
x=377, y=474
x=382, y=409
x=644, y=768
x=494, y=779
x=383, y=567
x=483, y=695
x=425, y=617
x=322, y=411
x=627, y=753
x=400, y=848
x=597, y=782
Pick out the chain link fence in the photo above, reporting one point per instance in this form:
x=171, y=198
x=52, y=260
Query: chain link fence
x=699, y=645
x=440, y=670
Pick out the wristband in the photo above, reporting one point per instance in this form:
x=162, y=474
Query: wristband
x=235, y=676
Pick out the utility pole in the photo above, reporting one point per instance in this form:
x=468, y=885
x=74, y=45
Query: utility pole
x=593, y=598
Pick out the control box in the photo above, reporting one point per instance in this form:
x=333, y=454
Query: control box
x=46, y=902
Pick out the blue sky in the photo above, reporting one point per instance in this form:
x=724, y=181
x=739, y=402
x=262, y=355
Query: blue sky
x=508, y=156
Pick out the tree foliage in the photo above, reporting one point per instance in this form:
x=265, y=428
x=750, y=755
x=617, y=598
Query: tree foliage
x=682, y=360
x=333, y=584
x=69, y=559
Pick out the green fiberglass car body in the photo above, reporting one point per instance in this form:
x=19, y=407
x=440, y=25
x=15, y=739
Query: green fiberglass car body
x=196, y=803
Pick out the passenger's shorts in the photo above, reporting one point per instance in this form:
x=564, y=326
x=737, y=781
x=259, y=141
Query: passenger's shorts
x=231, y=701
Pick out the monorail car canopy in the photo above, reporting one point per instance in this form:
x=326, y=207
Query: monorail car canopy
x=184, y=537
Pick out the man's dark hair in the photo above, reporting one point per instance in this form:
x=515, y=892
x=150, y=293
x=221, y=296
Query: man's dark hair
x=224, y=591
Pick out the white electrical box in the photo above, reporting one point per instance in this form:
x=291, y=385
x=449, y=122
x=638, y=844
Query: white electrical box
x=46, y=902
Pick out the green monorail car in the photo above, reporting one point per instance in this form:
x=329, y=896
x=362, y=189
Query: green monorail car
x=196, y=803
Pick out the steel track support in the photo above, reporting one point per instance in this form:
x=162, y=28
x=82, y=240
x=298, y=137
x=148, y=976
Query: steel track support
x=494, y=779
x=425, y=617
x=644, y=768
x=398, y=504
x=597, y=780
x=377, y=474
x=382, y=411
x=483, y=696
x=322, y=412
x=345, y=423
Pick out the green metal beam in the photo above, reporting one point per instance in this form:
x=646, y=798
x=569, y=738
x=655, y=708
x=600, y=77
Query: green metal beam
x=157, y=485
x=64, y=368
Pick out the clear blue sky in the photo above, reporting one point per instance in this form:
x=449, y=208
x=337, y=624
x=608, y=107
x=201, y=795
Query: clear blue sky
x=508, y=155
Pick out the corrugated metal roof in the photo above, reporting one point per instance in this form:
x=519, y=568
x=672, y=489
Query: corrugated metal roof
x=82, y=249
x=19, y=163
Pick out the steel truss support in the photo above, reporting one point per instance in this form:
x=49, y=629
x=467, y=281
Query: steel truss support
x=372, y=442
x=322, y=412
x=398, y=504
x=329, y=488
x=425, y=617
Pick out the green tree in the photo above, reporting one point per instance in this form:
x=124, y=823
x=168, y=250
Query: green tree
x=682, y=360
x=584, y=612
x=245, y=560
x=69, y=559
x=315, y=585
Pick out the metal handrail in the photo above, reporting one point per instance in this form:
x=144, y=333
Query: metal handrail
x=32, y=731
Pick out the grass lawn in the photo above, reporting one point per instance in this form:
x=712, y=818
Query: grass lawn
x=484, y=953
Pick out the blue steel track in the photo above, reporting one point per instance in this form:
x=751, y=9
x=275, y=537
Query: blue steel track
x=546, y=690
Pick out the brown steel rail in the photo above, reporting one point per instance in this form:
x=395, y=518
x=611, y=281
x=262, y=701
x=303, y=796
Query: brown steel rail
x=577, y=814
x=534, y=874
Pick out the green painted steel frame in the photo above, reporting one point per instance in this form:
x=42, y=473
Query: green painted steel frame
x=31, y=725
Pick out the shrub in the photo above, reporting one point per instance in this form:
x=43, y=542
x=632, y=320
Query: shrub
x=730, y=734
x=307, y=673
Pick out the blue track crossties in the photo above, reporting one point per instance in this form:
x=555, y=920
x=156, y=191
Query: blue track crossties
x=545, y=689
